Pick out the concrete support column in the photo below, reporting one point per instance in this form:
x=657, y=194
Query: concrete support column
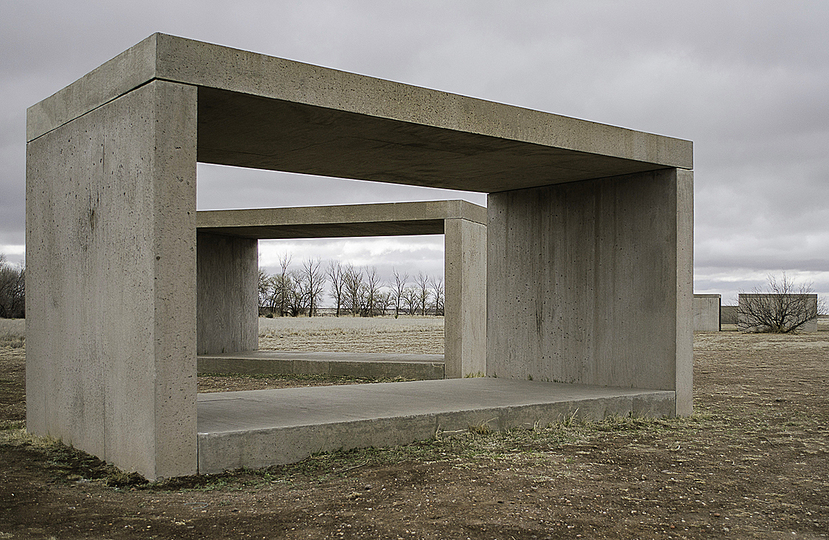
x=111, y=280
x=228, y=288
x=591, y=283
x=465, y=307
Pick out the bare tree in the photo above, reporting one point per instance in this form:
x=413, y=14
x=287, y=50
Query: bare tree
x=336, y=273
x=12, y=290
x=313, y=283
x=438, y=295
x=370, y=292
x=411, y=299
x=398, y=291
x=782, y=308
x=283, y=284
x=295, y=293
x=353, y=283
x=422, y=282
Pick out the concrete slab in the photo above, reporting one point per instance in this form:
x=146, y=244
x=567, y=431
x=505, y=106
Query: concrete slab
x=269, y=427
x=377, y=365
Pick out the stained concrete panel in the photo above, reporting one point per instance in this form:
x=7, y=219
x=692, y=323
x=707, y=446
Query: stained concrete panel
x=707, y=312
x=228, y=294
x=591, y=283
x=111, y=269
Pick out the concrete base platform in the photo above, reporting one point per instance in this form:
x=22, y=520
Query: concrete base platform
x=376, y=365
x=269, y=427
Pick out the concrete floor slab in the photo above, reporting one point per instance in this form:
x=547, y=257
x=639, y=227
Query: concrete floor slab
x=374, y=365
x=269, y=427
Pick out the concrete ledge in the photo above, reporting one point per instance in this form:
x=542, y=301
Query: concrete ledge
x=338, y=221
x=270, y=427
x=409, y=366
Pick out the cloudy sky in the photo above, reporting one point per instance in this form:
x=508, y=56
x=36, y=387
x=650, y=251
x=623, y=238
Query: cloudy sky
x=747, y=81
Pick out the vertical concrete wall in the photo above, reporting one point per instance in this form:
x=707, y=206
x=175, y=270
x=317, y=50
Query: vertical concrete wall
x=728, y=314
x=228, y=287
x=111, y=281
x=594, y=283
x=465, y=309
x=707, y=312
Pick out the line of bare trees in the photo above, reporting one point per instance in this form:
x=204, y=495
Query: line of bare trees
x=12, y=290
x=353, y=290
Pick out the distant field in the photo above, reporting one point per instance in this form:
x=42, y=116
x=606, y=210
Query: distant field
x=412, y=335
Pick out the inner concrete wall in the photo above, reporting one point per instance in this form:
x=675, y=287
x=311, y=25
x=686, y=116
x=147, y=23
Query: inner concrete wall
x=707, y=312
x=111, y=264
x=228, y=288
x=594, y=283
x=465, y=248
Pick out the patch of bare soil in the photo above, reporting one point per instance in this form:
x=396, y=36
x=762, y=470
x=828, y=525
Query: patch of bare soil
x=753, y=462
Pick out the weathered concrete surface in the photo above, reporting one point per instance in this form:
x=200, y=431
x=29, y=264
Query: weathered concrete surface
x=462, y=223
x=376, y=365
x=111, y=281
x=796, y=302
x=707, y=312
x=592, y=283
x=266, y=427
x=269, y=113
x=228, y=288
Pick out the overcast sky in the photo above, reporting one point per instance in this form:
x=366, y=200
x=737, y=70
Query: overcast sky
x=747, y=81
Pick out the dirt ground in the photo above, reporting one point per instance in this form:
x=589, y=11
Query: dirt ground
x=753, y=462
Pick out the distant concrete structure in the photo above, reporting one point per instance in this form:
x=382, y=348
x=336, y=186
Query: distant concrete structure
x=728, y=314
x=228, y=267
x=806, y=301
x=707, y=312
x=589, y=258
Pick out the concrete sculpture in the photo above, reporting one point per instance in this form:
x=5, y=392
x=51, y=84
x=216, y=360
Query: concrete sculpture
x=228, y=267
x=589, y=261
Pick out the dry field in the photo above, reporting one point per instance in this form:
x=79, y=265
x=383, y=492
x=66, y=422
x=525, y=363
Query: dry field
x=753, y=462
x=406, y=334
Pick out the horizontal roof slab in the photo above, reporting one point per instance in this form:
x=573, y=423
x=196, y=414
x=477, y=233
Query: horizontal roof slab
x=270, y=113
x=353, y=220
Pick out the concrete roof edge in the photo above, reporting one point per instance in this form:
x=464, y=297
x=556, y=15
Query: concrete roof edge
x=216, y=66
x=346, y=213
x=187, y=61
x=132, y=68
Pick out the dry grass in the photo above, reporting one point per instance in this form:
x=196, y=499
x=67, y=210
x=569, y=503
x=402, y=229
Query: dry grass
x=411, y=335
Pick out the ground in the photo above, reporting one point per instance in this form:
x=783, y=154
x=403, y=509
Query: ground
x=752, y=462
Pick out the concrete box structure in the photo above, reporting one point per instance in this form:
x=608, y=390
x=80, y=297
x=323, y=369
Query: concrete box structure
x=589, y=259
x=228, y=267
x=805, y=303
x=707, y=312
